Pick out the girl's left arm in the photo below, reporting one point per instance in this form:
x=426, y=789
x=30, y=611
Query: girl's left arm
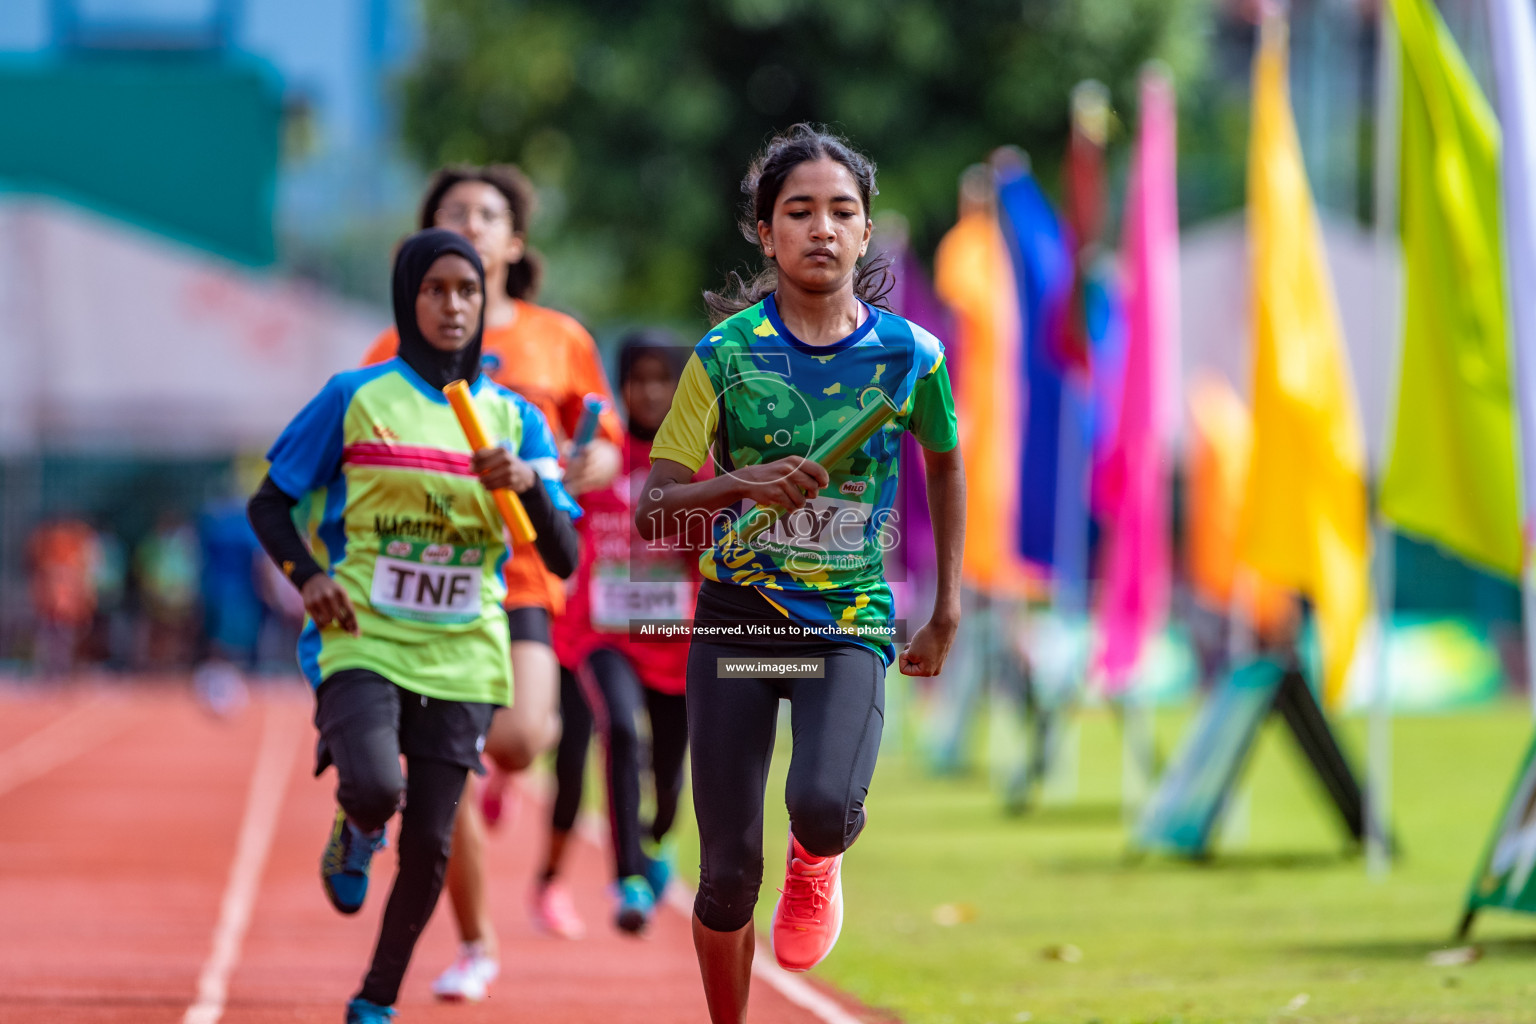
x=929, y=647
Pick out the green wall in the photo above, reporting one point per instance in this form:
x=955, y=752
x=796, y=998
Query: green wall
x=184, y=145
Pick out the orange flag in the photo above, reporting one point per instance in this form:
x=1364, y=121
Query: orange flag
x=974, y=277
x=1217, y=458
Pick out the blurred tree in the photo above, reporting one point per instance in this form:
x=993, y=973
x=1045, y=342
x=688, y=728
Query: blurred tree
x=637, y=119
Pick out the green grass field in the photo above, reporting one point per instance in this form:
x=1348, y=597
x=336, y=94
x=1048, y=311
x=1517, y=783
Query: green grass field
x=958, y=913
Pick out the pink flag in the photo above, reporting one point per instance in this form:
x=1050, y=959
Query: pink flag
x=1134, y=599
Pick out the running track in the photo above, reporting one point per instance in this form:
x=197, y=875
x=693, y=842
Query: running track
x=160, y=865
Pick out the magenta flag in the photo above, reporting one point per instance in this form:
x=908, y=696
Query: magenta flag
x=1133, y=600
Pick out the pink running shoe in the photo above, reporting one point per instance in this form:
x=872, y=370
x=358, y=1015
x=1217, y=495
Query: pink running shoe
x=554, y=912
x=497, y=799
x=809, y=916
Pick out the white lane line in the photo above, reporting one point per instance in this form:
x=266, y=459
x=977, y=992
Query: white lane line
x=60, y=741
x=269, y=780
x=796, y=989
x=594, y=829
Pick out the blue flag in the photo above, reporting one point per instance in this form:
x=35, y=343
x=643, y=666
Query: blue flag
x=1053, y=477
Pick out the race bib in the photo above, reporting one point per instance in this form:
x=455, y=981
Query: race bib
x=427, y=582
x=616, y=599
x=824, y=525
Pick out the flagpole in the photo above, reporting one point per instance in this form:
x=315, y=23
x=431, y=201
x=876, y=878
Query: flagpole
x=1378, y=802
x=1069, y=541
x=1515, y=96
x=1089, y=112
x=1069, y=532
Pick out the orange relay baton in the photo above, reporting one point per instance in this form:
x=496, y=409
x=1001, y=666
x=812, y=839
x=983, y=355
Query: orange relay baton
x=507, y=503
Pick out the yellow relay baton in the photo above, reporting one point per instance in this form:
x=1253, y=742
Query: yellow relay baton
x=507, y=502
x=843, y=442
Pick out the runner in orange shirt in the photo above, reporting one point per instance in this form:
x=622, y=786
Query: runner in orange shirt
x=549, y=359
x=63, y=556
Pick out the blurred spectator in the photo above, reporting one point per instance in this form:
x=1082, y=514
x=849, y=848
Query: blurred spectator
x=110, y=638
x=232, y=607
x=62, y=557
x=166, y=565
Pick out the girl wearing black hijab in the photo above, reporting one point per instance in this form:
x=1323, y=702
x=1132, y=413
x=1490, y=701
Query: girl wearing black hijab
x=406, y=645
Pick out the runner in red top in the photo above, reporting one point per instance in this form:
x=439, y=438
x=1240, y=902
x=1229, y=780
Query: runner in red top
x=620, y=580
x=620, y=577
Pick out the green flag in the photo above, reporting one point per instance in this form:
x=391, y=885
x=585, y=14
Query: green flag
x=1507, y=876
x=1451, y=476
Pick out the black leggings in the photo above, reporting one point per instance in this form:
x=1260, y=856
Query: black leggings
x=616, y=695
x=366, y=722
x=836, y=722
x=571, y=753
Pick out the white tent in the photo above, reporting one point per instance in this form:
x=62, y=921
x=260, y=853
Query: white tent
x=116, y=339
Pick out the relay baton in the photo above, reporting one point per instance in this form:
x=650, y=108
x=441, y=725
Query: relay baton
x=586, y=427
x=846, y=440
x=507, y=503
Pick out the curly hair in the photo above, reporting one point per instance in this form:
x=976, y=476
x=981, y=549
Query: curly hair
x=801, y=143
x=524, y=276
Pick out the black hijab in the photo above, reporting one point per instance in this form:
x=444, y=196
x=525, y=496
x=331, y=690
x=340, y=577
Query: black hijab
x=416, y=256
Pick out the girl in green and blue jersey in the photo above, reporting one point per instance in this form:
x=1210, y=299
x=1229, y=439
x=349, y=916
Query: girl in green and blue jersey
x=802, y=611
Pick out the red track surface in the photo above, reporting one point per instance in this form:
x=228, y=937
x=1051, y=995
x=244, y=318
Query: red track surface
x=120, y=815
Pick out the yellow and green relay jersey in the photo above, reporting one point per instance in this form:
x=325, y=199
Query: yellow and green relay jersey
x=752, y=392
x=408, y=530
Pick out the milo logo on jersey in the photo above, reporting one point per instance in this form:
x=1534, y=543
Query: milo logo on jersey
x=427, y=582
x=827, y=533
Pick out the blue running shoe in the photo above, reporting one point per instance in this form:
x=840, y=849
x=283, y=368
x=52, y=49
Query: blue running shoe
x=361, y=1011
x=344, y=865
x=635, y=905
x=658, y=866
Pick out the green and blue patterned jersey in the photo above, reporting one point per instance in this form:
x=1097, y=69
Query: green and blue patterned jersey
x=752, y=393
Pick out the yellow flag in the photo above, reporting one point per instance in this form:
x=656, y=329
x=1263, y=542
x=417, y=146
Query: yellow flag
x=1451, y=478
x=1304, y=523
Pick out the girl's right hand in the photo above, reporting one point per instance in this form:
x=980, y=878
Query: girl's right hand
x=327, y=602
x=499, y=469
x=789, y=482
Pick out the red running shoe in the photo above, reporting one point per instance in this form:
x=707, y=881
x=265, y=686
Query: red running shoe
x=809, y=916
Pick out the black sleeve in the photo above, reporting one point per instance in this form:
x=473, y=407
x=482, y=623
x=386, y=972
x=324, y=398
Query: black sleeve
x=556, y=541
x=270, y=511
